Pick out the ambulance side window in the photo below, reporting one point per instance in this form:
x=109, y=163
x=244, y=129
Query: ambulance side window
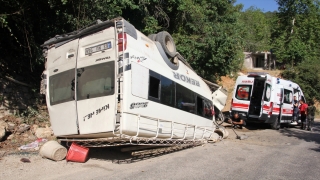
x=267, y=93
x=287, y=96
x=243, y=92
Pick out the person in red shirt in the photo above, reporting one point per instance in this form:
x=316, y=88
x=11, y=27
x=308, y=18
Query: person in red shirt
x=303, y=108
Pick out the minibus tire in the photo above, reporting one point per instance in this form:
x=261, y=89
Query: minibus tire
x=167, y=43
x=152, y=37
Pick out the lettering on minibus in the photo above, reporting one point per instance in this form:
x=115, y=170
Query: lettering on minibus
x=186, y=79
x=139, y=105
x=138, y=58
x=105, y=58
x=96, y=112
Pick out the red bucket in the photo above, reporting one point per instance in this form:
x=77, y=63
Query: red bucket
x=77, y=153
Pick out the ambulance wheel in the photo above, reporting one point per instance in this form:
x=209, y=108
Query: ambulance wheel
x=275, y=125
x=152, y=37
x=167, y=43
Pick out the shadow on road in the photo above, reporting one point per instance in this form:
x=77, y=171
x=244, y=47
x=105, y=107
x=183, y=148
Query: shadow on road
x=115, y=155
x=308, y=136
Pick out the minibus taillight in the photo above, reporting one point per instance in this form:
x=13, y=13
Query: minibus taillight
x=271, y=108
x=122, y=41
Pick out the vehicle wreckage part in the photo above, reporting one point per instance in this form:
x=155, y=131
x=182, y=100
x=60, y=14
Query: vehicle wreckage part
x=222, y=132
x=215, y=137
x=53, y=150
x=165, y=58
x=167, y=43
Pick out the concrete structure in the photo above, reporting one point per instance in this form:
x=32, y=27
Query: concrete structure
x=259, y=59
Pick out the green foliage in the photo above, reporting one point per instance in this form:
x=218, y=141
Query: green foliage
x=297, y=29
x=206, y=32
x=257, y=29
x=307, y=76
x=295, y=38
x=208, y=35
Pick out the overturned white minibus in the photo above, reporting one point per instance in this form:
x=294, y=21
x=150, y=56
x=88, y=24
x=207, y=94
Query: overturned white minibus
x=260, y=97
x=110, y=82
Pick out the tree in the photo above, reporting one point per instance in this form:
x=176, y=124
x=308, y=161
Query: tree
x=307, y=76
x=206, y=32
x=296, y=42
x=296, y=30
x=257, y=29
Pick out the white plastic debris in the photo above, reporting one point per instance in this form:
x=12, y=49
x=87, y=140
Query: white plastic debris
x=33, y=145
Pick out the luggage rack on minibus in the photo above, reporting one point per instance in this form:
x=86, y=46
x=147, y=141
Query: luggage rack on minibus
x=122, y=139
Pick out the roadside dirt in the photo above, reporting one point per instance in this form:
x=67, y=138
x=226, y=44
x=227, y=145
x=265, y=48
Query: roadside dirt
x=22, y=130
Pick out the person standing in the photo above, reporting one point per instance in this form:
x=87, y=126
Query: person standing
x=295, y=110
x=303, y=108
x=311, y=110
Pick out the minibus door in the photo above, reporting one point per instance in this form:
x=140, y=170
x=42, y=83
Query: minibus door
x=61, y=102
x=96, y=92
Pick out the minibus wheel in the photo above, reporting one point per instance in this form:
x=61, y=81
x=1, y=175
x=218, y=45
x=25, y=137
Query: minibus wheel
x=167, y=43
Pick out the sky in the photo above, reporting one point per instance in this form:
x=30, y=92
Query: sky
x=264, y=5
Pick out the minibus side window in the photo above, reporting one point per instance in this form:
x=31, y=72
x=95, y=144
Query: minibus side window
x=95, y=81
x=167, y=92
x=243, y=92
x=200, y=104
x=185, y=99
x=154, y=85
x=208, y=109
x=61, y=87
x=267, y=92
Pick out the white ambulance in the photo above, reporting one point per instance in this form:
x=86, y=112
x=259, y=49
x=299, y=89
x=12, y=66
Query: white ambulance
x=109, y=81
x=259, y=97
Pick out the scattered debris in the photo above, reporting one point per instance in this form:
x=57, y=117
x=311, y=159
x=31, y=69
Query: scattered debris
x=53, y=150
x=25, y=160
x=34, y=145
x=77, y=153
x=243, y=137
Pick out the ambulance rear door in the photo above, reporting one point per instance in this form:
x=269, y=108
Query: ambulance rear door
x=287, y=108
x=266, y=101
x=242, y=94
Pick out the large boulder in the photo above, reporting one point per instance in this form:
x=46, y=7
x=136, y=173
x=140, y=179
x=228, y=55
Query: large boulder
x=23, y=128
x=3, y=128
x=2, y=133
x=43, y=132
x=11, y=127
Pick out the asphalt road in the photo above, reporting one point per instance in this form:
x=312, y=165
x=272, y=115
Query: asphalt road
x=289, y=153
